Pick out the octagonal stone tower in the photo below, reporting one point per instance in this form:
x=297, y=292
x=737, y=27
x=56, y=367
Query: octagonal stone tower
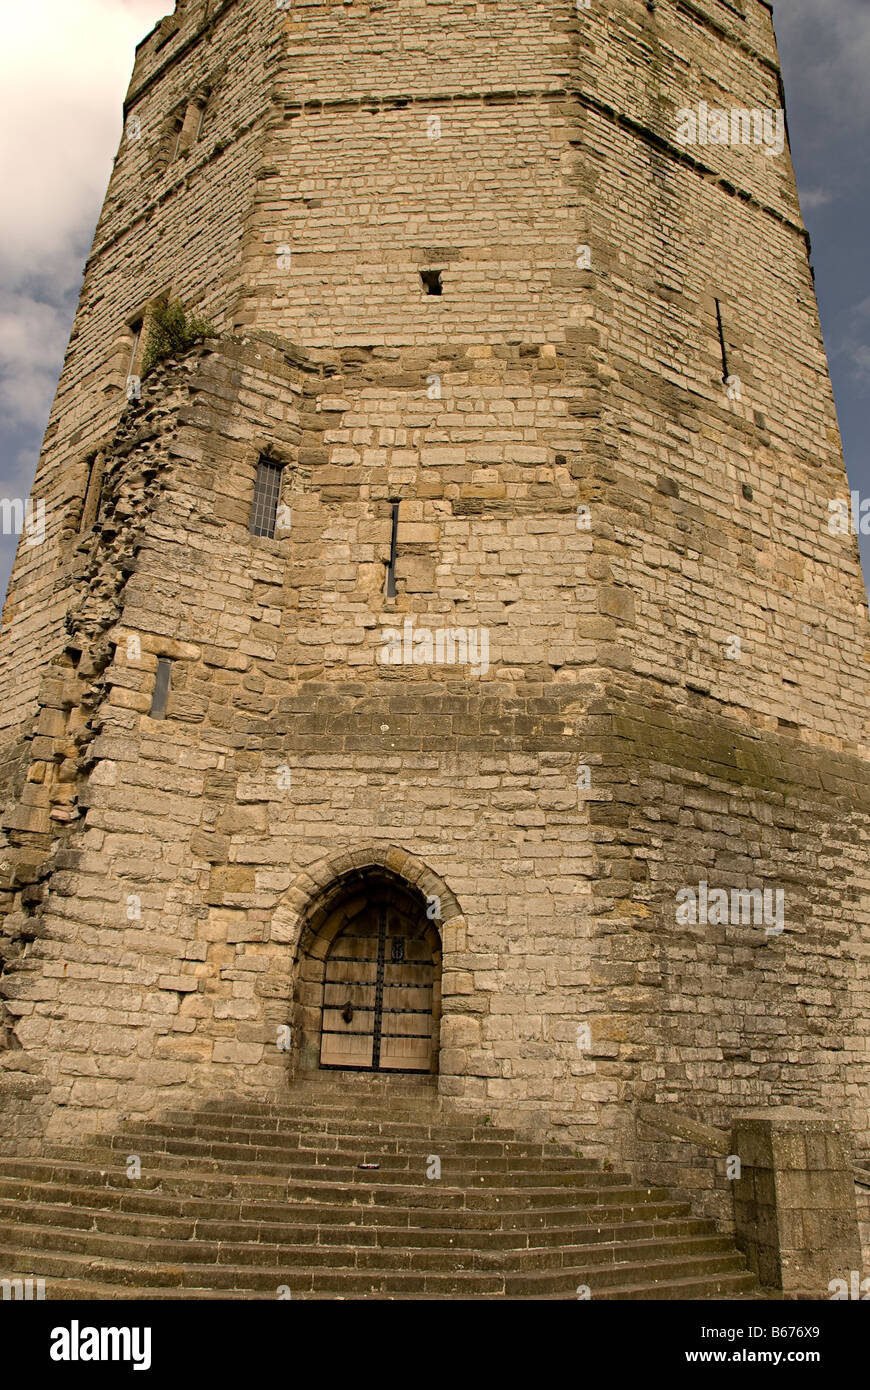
x=451, y=665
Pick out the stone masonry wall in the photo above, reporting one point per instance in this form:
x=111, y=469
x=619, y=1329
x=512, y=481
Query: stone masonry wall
x=573, y=478
x=166, y=223
x=567, y=896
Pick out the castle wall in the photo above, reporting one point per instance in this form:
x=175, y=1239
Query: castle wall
x=166, y=222
x=506, y=194
x=575, y=482
x=287, y=743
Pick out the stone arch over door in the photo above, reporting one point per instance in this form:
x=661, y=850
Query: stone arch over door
x=368, y=929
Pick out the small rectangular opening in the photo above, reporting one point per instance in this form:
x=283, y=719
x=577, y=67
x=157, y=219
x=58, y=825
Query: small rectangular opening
x=432, y=281
x=161, y=688
x=391, y=567
x=135, y=330
x=267, y=491
x=91, y=504
x=723, y=349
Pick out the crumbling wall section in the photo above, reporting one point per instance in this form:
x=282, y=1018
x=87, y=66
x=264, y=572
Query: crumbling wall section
x=55, y=759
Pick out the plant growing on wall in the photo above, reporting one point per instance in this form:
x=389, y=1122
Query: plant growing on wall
x=172, y=331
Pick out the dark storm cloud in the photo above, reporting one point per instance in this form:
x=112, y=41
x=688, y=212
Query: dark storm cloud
x=825, y=52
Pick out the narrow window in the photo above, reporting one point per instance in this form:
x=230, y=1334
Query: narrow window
x=161, y=688
x=136, y=331
x=724, y=350
x=267, y=489
x=432, y=281
x=91, y=504
x=391, y=567
x=187, y=125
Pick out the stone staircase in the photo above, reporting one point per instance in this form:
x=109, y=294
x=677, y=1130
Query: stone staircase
x=243, y=1200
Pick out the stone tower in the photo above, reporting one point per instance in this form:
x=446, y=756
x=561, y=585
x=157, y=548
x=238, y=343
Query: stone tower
x=451, y=665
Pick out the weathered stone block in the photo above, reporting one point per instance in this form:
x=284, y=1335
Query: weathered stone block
x=796, y=1222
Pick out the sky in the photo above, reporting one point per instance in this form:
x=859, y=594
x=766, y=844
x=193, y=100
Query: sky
x=60, y=124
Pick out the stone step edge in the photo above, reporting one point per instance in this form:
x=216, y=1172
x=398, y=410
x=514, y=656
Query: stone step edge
x=246, y=1169
x=294, y=1223
x=88, y=1292
x=652, y=1195
x=678, y=1211
x=240, y=1271
x=674, y=1242
x=342, y=1140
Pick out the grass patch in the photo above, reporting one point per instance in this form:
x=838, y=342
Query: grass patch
x=172, y=332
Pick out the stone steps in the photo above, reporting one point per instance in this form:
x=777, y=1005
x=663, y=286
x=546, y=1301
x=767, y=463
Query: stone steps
x=20, y=1195
x=728, y=1287
x=346, y=1166
x=404, y=1139
x=296, y=1120
x=239, y=1200
x=110, y=1246
x=314, y=1231
x=389, y=1154
x=302, y=1279
x=362, y=1187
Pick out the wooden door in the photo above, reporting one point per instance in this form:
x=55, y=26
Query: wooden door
x=378, y=995
x=350, y=987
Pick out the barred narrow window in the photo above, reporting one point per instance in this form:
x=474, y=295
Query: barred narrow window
x=267, y=489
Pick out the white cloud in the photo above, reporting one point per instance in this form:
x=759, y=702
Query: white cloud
x=32, y=339
x=862, y=363
x=64, y=71
x=831, y=42
x=815, y=198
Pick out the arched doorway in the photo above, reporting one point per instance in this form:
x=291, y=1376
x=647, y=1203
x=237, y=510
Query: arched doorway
x=369, y=981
